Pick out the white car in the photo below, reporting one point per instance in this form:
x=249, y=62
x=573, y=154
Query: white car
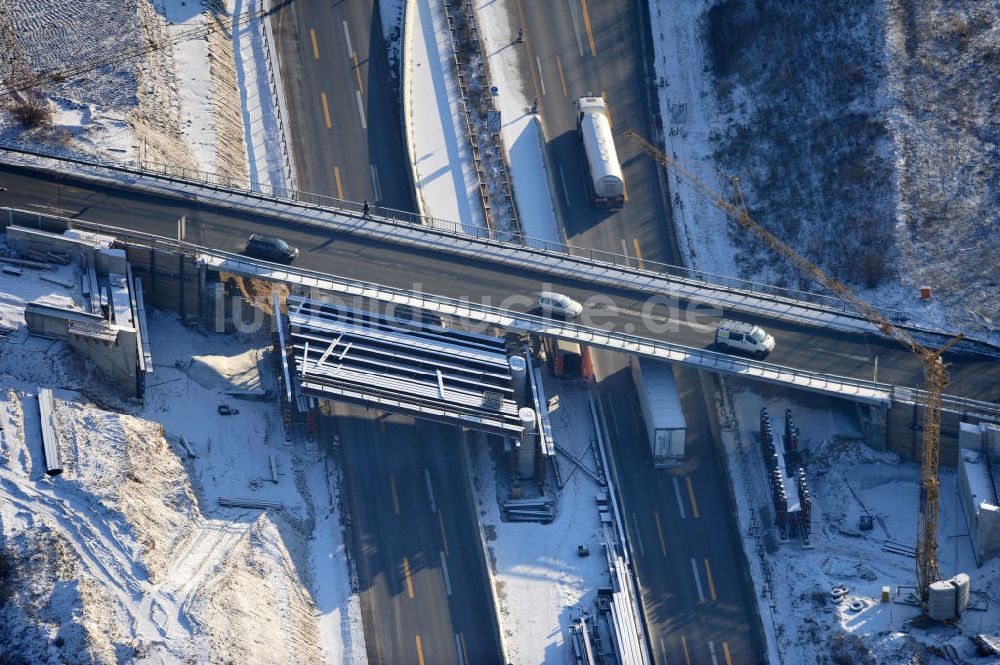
x=557, y=303
x=740, y=336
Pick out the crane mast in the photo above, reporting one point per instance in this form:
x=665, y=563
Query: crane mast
x=935, y=370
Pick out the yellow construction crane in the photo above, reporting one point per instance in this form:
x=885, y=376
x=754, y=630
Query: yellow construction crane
x=935, y=370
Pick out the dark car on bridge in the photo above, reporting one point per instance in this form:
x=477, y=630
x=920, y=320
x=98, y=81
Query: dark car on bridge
x=269, y=248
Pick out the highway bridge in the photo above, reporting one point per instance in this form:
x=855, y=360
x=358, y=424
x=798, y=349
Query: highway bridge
x=627, y=309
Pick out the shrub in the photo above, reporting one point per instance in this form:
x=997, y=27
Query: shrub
x=31, y=111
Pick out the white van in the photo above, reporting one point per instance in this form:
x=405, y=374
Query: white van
x=740, y=336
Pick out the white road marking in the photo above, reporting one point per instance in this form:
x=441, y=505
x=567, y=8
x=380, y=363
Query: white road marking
x=576, y=25
x=347, y=36
x=663, y=650
x=430, y=490
x=376, y=185
x=697, y=580
x=361, y=110
x=680, y=501
x=711, y=650
x=447, y=578
x=638, y=537
x=624, y=248
x=541, y=79
x=565, y=188
x=458, y=648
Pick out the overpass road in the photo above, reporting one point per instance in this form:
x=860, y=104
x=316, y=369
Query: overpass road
x=423, y=585
x=685, y=543
x=846, y=354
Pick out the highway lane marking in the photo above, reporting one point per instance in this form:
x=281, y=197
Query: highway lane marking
x=711, y=651
x=576, y=26
x=711, y=582
x=357, y=71
x=465, y=654
x=663, y=650
x=361, y=110
x=347, y=38
x=565, y=188
x=312, y=35
x=687, y=656
x=444, y=536
x=527, y=46
x=430, y=489
x=444, y=570
x=697, y=580
x=694, y=504
x=590, y=34
x=725, y=652
x=638, y=536
x=638, y=253
x=420, y=651
x=562, y=79
x=340, y=186
x=395, y=496
x=458, y=649
x=680, y=502
x=409, y=578
x=376, y=183
x=659, y=530
x=624, y=248
x=326, y=111
x=541, y=79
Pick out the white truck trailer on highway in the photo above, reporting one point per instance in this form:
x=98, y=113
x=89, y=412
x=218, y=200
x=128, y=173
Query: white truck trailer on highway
x=605, y=182
x=661, y=411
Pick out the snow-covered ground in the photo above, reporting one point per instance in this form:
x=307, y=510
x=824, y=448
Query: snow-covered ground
x=540, y=580
x=520, y=129
x=194, y=95
x=801, y=620
x=444, y=173
x=814, y=105
x=127, y=556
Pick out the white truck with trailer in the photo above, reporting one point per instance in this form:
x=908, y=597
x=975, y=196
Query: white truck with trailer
x=661, y=410
x=605, y=182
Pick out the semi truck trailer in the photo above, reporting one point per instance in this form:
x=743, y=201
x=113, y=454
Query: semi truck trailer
x=605, y=183
x=661, y=411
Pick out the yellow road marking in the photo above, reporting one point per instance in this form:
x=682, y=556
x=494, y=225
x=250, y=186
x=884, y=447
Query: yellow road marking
x=527, y=50
x=395, y=496
x=725, y=652
x=409, y=578
x=326, y=111
x=420, y=652
x=711, y=582
x=659, y=530
x=694, y=504
x=444, y=536
x=687, y=656
x=586, y=23
x=638, y=252
x=312, y=35
x=340, y=195
x=357, y=71
x=562, y=79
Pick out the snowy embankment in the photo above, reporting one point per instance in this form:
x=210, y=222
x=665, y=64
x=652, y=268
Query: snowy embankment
x=444, y=174
x=812, y=105
x=126, y=555
x=801, y=620
x=520, y=129
x=539, y=578
x=183, y=83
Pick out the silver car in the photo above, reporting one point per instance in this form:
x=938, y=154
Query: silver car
x=556, y=303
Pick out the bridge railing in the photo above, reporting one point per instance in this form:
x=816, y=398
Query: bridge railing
x=447, y=228
x=869, y=391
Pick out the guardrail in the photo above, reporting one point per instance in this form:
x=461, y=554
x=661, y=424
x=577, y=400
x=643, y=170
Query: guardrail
x=858, y=389
x=595, y=258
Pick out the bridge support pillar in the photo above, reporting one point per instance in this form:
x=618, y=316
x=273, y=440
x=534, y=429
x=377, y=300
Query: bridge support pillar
x=874, y=424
